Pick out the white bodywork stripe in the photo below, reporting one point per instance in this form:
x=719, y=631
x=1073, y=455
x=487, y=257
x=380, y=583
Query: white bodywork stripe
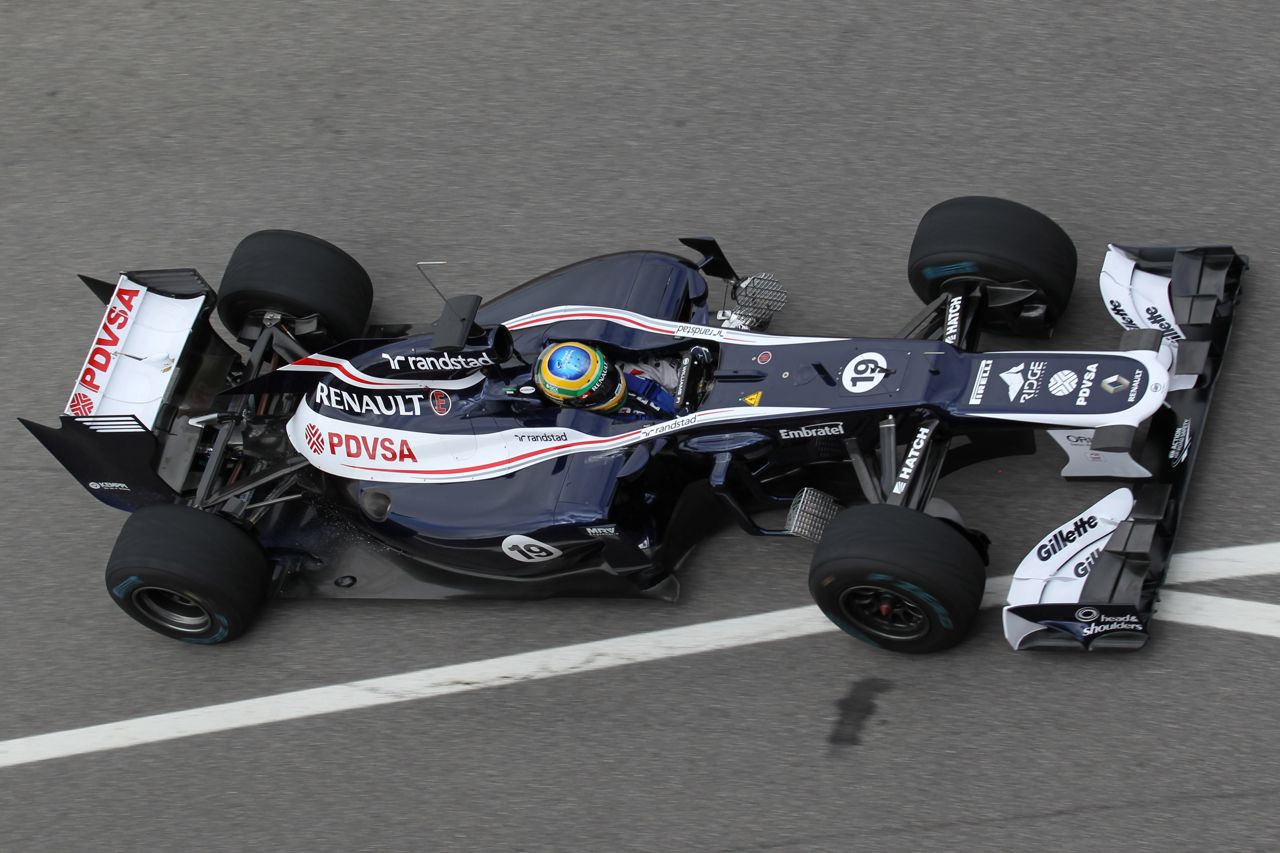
x=381, y=454
x=640, y=322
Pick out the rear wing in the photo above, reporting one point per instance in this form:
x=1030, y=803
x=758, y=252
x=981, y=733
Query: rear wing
x=153, y=361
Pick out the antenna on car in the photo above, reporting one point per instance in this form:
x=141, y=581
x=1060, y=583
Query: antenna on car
x=458, y=322
x=420, y=265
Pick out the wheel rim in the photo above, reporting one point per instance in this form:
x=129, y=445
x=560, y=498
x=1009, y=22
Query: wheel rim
x=884, y=612
x=171, y=610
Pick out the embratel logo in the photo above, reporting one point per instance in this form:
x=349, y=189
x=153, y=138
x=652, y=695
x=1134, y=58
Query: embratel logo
x=813, y=430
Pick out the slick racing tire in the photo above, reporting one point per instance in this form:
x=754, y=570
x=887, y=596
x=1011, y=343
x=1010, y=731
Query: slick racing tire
x=897, y=578
x=1000, y=241
x=187, y=574
x=295, y=274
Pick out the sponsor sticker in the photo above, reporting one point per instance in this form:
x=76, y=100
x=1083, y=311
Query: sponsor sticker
x=980, y=383
x=913, y=456
x=1181, y=444
x=369, y=404
x=1063, y=383
x=314, y=439
x=352, y=446
x=764, y=357
x=1083, y=567
x=81, y=404
x=1117, y=311
x=109, y=487
x=602, y=530
x=528, y=550
x=1064, y=536
x=813, y=430
x=541, y=437
x=952, y=333
x=1115, y=384
x=437, y=361
x=441, y=402
x=864, y=372
x=106, y=347
x=752, y=399
x=1086, y=384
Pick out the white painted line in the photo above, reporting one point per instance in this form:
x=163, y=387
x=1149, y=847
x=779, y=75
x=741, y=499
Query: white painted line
x=1189, y=608
x=422, y=684
x=1211, y=611
x=1241, y=561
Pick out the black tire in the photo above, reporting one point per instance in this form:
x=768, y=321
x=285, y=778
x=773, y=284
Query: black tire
x=927, y=573
x=187, y=574
x=295, y=274
x=995, y=239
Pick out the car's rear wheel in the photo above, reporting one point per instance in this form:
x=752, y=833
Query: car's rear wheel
x=897, y=578
x=1025, y=260
x=295, y=275
x=187, y=574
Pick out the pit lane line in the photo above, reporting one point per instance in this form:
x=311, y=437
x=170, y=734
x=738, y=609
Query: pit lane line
x=1175, y=606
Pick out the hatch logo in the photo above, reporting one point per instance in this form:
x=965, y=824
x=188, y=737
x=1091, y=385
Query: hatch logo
x=913, y=456
x=952, y=334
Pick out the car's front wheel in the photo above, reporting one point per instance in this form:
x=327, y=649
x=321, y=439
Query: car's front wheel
x=187, y=574
x=897, y=578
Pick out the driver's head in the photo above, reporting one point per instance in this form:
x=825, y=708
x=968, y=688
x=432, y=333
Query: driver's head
x=579, y=375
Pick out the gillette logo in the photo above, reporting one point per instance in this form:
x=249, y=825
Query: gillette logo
x=1065, y=536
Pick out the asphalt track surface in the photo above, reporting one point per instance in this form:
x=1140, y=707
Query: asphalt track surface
x=510, y=139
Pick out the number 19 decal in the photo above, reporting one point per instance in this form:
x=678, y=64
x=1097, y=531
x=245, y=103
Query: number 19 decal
x=528, y=550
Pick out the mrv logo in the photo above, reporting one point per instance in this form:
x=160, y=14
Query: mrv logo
x=813, y=430
x=913, y=456
x=1064, y=536
x=336, y=398
x=441, y=361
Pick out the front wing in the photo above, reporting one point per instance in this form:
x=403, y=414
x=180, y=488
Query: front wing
x=1092, y=583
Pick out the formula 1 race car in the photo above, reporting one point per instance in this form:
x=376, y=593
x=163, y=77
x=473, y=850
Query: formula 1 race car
x=341, y=460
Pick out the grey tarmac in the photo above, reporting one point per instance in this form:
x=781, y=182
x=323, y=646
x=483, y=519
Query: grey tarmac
x=512, y=138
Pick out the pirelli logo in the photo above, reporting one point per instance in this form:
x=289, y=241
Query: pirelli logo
x=980, y=383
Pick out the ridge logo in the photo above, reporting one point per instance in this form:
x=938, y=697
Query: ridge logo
x=1024, y=388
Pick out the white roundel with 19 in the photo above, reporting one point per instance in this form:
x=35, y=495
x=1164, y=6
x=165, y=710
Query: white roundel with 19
x=864, y=372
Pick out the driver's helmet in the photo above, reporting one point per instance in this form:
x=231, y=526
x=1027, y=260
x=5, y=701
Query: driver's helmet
x=579, y=375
